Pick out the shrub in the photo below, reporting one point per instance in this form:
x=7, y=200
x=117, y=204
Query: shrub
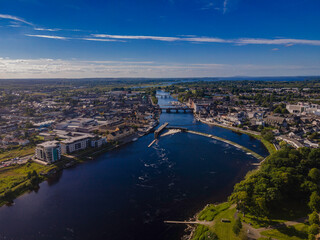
x=314, y=218
x=314, y=229
x=237, y=226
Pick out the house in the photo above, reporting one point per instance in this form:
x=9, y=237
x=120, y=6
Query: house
x=276, y=121
x=120, y=134
x=295, y=109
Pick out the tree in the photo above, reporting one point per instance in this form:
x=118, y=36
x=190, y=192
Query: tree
x=314, y=203
x=314, y=218
x=313, y=229
x=267, y=135
x=314, y=174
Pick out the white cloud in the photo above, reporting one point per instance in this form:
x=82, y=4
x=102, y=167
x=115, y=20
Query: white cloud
x=275, y=49
x=47, y=36
x=47, y=29
x=11, y=17
x=57, y=68
x=239, y=41
x=277, y=41
x=166, y=39
x=101, y=40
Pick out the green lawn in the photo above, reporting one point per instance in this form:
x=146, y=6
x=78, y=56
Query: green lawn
x=19, y=152
x=224, y=229
x=270, y=147
x=15, y=179
x=211, y=211
x=203, y=233
x=258, y=222
x=296, y=232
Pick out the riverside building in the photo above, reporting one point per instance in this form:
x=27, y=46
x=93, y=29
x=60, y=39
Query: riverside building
x=49, y=152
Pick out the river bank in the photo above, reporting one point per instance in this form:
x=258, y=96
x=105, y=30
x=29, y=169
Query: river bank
x=15, y=179
x=196, y=231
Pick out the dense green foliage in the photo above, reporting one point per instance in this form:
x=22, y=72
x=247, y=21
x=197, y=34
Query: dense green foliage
x=282, y=183
x=314, y=218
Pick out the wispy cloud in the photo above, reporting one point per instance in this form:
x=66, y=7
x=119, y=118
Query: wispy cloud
x=166, y=39
x=276, y=41
x=238, y=41
x=47, y=36
x=18, y=19
x=225, y=5
x=182, y=38
x=101, y=40
x=47, y=29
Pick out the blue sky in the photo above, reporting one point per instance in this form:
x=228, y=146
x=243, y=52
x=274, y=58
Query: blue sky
x=159, y=38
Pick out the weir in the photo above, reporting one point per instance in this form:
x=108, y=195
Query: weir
x=256, y=155
x=160, y=129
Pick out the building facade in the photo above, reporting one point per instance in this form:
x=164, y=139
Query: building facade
x=49, y=152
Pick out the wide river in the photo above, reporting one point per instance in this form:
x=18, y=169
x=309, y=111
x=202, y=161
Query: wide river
x=127, y=193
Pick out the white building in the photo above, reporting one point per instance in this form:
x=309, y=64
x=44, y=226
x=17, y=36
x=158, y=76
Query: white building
x=49, y=152
x=75, y=144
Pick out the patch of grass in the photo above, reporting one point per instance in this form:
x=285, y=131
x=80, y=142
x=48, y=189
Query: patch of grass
x=18, y=152
x=224, y=229
x=296, y=232
x=204, y=233
x=14, y=180
x=211, y=210
x=258, y=222
x=270, y=147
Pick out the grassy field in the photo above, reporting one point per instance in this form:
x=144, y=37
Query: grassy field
x=270, y=147
x=224, y=229
x=218, y=229
x=19, y=152
x=14, y=180
x=296, y=232
x=204, y=233
x=211, y=211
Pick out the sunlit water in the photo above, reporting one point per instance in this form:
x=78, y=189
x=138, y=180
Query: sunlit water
x=128, y=193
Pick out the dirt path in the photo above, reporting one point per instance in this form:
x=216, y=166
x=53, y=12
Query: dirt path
x=255, y=233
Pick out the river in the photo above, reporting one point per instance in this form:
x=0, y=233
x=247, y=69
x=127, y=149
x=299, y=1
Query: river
x=127, y=193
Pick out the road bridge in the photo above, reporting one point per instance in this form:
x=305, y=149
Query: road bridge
x=176, y=109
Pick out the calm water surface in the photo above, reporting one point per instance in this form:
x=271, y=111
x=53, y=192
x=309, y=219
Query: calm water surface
x=127, y=193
